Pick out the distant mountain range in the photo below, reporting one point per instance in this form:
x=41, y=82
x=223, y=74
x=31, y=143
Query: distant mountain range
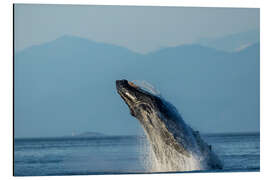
x=69, y=84
x=233, y=42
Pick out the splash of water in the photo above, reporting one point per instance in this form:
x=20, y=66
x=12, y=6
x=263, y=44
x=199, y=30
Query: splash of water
x=168, y=161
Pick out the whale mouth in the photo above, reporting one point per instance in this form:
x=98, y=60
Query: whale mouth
x=132, y=94
x=129, y=92
x=123, y=87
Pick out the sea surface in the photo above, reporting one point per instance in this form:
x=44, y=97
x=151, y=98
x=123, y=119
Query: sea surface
x=120, y=154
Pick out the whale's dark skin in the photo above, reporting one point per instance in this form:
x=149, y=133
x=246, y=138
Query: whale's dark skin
x=165, y=127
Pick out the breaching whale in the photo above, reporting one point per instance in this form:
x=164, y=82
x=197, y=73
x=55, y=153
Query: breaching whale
x=174, y=145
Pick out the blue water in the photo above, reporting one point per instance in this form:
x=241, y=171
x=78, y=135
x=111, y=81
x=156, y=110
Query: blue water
x=119, y=154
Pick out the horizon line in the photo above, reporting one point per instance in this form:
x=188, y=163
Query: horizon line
x=125, y=135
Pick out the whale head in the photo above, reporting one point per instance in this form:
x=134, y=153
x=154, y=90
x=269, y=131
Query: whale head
x=138, y=100
x=159, y=118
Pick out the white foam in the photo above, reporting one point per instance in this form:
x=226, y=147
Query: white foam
x=169, y=160
x=147, y=87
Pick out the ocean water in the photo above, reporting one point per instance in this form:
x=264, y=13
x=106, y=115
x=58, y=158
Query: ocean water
x=120, y=154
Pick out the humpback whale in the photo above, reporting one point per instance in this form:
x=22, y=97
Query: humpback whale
x=174, y=145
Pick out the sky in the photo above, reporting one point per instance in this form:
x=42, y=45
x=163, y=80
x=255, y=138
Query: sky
x=63, y=87
x=141, y=29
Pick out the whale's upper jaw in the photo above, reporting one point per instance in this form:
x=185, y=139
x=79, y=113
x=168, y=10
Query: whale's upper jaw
x=134, y=96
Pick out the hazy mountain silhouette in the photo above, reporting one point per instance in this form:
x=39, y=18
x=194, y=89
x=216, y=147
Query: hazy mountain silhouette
x=69, y=84
x=233, y=42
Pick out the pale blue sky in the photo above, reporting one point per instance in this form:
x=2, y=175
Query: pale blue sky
x=141, y=29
